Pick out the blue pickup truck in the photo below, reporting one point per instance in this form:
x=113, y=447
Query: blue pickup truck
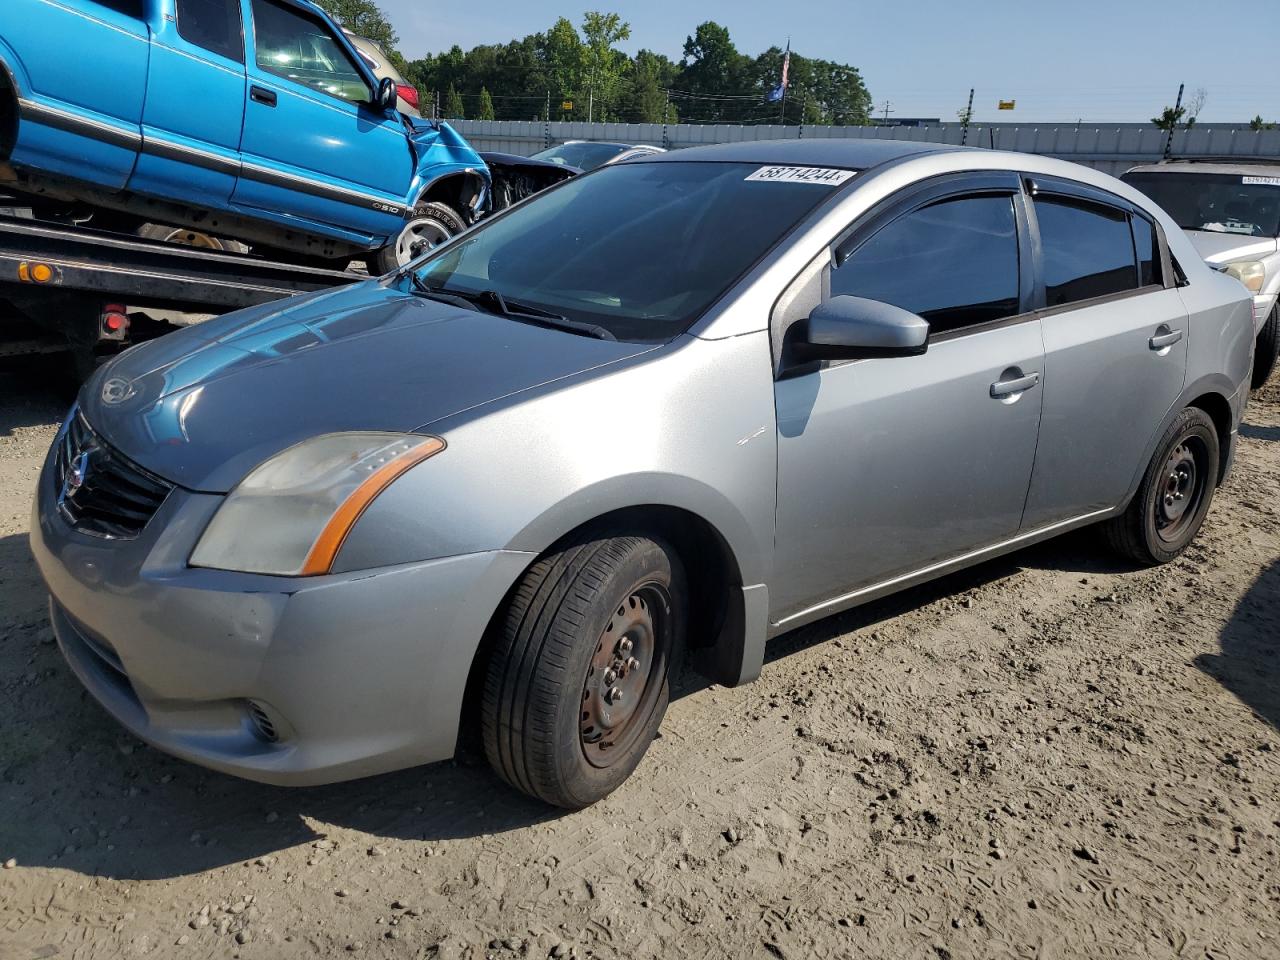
x=247, y=119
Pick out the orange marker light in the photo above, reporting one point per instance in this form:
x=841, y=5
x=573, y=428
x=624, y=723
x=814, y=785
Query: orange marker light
x=24, y=272
x=325, y=549
x=42, y=273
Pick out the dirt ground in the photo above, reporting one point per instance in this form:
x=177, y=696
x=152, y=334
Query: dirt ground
x=1052, y=756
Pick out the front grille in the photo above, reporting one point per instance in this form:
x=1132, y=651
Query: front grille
x=99, y=491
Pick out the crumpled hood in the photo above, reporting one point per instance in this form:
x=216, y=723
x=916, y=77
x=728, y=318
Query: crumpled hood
x=203, y=406
x=1225, y=247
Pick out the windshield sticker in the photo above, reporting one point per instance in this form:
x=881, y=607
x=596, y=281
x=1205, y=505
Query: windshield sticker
x=821, y=175
x=1269, y=181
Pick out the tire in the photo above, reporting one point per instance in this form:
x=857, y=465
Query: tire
x=549, y=727
x=1265, y=349
x=431, y=223
x=187, y=237
x=1167, y=511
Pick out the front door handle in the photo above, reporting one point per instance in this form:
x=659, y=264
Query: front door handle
x=1162, y=340
x=1007, y=388
x=263, y=96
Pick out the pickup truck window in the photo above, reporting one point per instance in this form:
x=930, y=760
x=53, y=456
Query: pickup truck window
x=214, y=25
x=292, y=45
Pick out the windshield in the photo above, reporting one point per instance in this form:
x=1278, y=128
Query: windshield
x=584, y=156
x=1215, y=202
x=639, y=249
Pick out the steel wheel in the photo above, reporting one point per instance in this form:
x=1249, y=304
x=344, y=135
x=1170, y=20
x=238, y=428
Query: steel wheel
x=624, y=675
x=1179, y=501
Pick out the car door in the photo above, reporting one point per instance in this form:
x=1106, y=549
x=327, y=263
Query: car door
x=85, y=66
x=314, y=146
x=194, y=112
x=889, y=465
x=1115, y=333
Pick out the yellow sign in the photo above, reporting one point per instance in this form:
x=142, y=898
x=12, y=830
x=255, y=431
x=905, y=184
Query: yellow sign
x=1008, y=104
x=567, y=105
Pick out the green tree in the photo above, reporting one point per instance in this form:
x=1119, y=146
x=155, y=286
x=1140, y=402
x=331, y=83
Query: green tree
x=563, y=57
x=604, y=65
x=644, y=97
x=364, y=18
x=485, y=112
x=711, y=72
x=453, y=108
x=1169, y=118
x=1257, y=123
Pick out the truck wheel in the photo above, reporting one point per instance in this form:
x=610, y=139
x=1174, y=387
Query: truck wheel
x=1170, y=505
x=1266, y=348
x=431, y=225
x=577, y=682
x=187, y=237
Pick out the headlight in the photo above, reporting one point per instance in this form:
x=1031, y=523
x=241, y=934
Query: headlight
x=1249, y=272
x=292, y=513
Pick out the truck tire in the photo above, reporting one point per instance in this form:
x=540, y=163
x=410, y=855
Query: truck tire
x=1166, y=513
x=577, y=682
x=431, y=224
x=1265, y=349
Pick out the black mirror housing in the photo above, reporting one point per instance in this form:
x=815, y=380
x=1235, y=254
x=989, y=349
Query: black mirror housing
x=388, y=96
x=855, y=328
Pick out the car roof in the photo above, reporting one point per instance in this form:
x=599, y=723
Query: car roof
x=1243, y=165
x=826, y=152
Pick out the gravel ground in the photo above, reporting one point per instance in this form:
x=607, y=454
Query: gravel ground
x=1051, y=755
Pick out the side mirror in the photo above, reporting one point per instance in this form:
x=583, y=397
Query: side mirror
x=854, y=328
x=387, y=94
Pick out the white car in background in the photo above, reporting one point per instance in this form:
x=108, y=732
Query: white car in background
x=376, y=59
x=1230, y=210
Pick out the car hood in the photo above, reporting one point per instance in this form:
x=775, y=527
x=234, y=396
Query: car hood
x=204, y=406
x=1226, y=247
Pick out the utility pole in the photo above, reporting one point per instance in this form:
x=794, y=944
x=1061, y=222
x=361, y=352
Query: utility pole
x=1168, y=141
x=968, y=115
x=547, y=116
x=591, y=94
x=887, y=111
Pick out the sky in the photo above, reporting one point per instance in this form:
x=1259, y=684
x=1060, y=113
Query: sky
x=1092, y=60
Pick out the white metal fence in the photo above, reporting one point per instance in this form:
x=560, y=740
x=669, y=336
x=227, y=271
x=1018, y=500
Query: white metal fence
x=1112, y=148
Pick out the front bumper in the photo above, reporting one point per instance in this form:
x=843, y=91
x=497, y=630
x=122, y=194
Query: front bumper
x=358, y=673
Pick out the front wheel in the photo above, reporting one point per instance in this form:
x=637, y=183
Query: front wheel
x=1265, y=349
x=577, y=683
x=1171, y=503
x=430, y=225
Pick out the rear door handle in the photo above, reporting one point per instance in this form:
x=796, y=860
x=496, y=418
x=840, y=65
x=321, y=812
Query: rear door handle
x=1162, y=340
x=1006, y=388
x=263, y=96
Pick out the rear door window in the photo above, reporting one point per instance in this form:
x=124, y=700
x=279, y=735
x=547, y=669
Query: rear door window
x=213, y=25
x=1088, y=250
x=954, y=262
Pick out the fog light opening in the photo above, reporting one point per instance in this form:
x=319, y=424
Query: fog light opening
x=262, y=723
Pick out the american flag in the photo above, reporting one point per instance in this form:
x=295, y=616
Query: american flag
x=776, y=93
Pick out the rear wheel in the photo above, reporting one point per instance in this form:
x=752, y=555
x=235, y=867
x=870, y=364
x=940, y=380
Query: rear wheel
x=1167, y=511
x=431, y=225
x=577, y=683
x=1266, y=348
x=187, y=237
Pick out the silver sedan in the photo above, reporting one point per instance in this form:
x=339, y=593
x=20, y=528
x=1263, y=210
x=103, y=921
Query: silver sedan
x=512, y=486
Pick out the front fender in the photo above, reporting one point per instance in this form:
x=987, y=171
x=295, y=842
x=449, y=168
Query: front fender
x=441, y=152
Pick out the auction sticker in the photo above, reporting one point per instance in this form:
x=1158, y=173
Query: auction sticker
x=1270, y=181
x=826, y=176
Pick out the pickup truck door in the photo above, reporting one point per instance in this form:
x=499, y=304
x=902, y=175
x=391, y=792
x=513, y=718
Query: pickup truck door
x=81, y=73
x=195, y=104
x=313, y=146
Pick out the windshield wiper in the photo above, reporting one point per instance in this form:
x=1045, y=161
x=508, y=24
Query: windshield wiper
x=494, y=302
